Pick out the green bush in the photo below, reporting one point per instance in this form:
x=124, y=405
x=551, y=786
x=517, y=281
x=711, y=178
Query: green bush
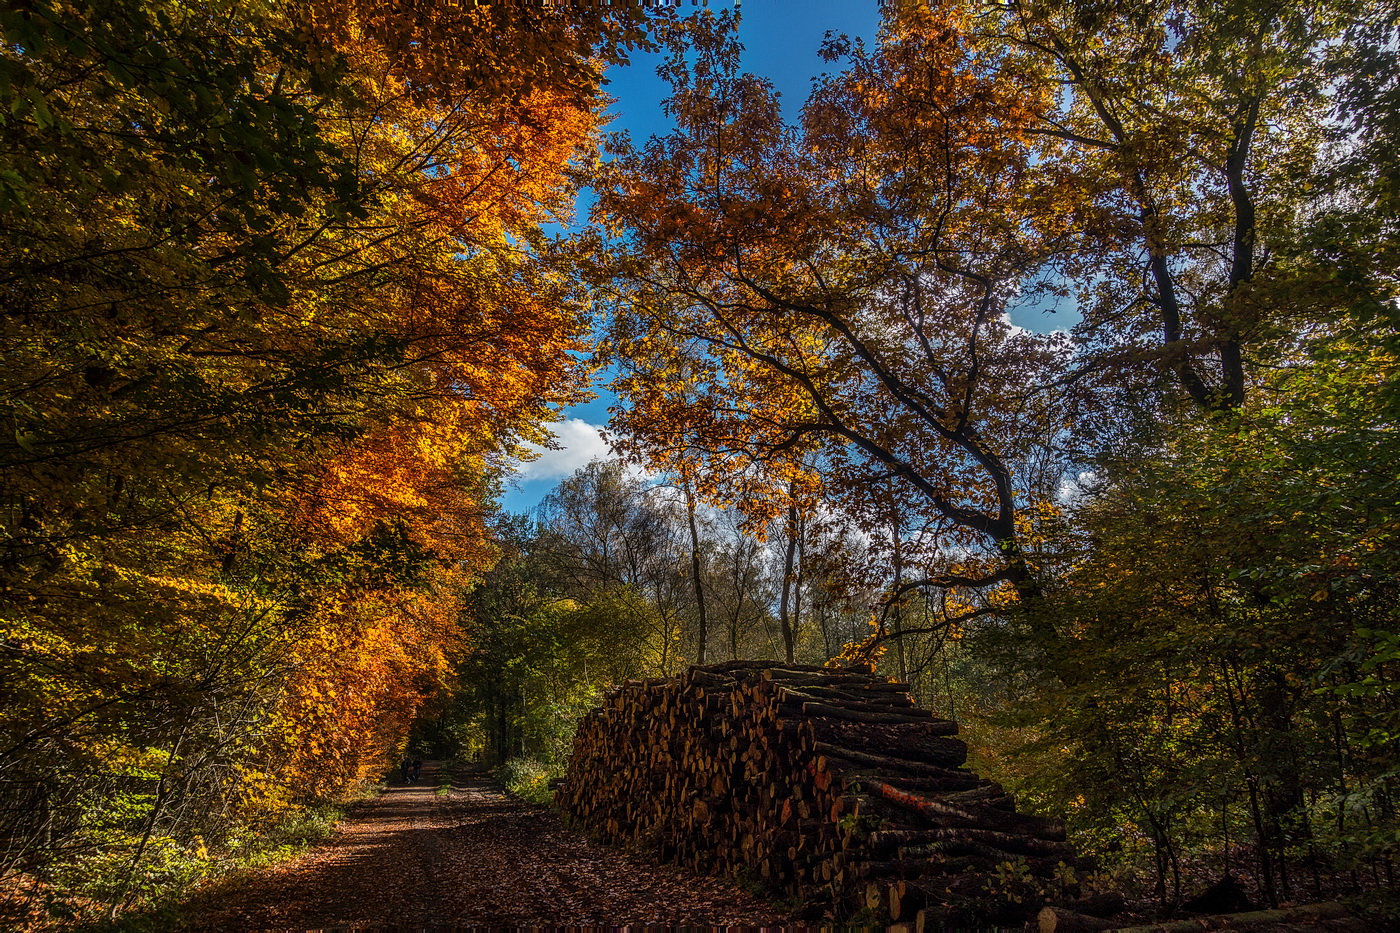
x=528, y=778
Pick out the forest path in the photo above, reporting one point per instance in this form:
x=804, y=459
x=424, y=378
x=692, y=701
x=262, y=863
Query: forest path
x=471, y=857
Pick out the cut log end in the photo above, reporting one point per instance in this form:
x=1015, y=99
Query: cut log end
x=831, y=785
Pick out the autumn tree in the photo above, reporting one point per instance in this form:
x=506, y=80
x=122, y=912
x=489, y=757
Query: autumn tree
x=274, y=313
x=836, y=294
x=1216, y=269
x=1228, y=669
x=737, y=580
x=1190, y=131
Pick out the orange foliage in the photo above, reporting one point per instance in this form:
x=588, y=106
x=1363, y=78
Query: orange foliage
x=360, y=672
x=489, y=340
x=410, y=472
x=820, y=309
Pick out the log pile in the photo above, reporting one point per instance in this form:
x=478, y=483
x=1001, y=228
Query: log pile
x=826, y=784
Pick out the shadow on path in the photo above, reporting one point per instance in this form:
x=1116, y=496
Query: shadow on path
x=470, y=857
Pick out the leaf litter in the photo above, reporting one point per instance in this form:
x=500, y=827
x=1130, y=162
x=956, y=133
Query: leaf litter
x=473, y=857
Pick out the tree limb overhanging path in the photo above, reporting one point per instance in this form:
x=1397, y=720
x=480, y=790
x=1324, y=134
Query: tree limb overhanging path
x=471, y=857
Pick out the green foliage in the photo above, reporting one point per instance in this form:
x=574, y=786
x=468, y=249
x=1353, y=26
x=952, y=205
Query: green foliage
x=259, y=373
x=265, y=324
x=1224, y=670
x=541, y=652
x=288, y=836
x=172, y=871
x=528, y=778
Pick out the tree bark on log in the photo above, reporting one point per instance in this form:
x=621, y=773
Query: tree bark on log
x=1059, y=920
x=822, y=783
x=884, y=763
x=831, y=711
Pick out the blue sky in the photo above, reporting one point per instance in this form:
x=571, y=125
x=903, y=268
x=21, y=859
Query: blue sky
x=781, y=39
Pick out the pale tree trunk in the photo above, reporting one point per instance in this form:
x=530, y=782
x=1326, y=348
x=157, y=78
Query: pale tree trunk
x=703, y=635
x=899, y=604
x=785, y=618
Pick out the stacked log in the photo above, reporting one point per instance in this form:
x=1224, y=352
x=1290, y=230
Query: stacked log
x=827, y=784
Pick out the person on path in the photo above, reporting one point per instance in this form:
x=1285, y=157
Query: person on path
x=404, y=768
x=417, y=769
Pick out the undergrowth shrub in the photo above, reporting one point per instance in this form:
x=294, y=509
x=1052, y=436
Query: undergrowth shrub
x=528, y=778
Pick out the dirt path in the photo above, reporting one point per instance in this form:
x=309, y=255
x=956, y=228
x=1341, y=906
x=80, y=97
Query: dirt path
x=469, y=858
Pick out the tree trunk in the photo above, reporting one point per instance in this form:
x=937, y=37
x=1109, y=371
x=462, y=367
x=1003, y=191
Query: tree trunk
x=784, y=611
x=702, y=636
x=898, y=613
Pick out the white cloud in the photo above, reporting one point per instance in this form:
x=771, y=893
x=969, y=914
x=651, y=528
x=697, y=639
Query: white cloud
x=1073, y=488
x=1016, y=329
x=579, y=444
